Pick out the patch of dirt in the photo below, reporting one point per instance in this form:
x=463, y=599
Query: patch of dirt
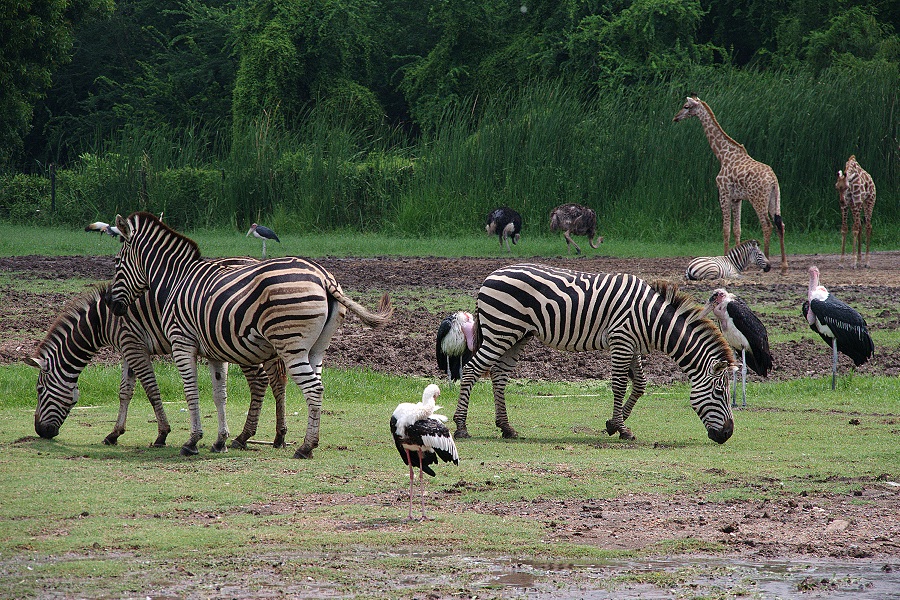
x=831, y=526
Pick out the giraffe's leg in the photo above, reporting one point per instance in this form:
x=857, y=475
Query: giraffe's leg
x=724, y=204
x=736, y=221
x=843, y=231
x=219, y=372
x=868, y=212
x=857, y=236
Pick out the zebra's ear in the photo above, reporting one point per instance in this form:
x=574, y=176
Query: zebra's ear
x=124, y=228
x=38, y=363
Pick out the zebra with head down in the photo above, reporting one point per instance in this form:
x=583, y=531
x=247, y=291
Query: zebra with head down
x=729, y=266
x=86, y=326
x=579, y=312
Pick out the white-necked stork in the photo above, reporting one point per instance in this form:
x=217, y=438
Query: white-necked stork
x=743, y=331
x=841, y=327
x=421, y=438
x=264, y=233
x=106, y=228
x=455, y=343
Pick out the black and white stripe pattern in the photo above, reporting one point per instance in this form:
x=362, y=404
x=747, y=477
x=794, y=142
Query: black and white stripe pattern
x=729, y=266
x=577, y=312
x=86, y=326
x=284, y=308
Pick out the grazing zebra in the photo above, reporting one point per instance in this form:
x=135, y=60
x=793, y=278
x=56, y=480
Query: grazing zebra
x=284, y=308
x=84, y=327
x=577, y=312
x=729, y=266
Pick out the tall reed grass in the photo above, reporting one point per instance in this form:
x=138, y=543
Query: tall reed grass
x=531, y=149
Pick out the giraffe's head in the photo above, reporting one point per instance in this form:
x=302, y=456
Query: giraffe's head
x=692, y=108
x=841, y=184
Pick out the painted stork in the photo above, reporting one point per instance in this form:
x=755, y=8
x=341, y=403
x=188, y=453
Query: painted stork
x=421, y=438
x=101, y=227
x=506, y=224
x=743, y=331
x=455, y=343
x=841, y=327
x=264, y=233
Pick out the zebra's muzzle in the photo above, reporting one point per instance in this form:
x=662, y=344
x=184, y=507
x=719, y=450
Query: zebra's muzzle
x=47, y=432
x=720, y=436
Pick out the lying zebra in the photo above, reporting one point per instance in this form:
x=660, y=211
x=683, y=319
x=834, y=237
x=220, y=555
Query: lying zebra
x=729, y=266
x=86, y=326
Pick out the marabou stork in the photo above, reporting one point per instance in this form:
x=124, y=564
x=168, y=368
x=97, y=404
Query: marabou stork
x=421, y=438
x=101, y=227
x=841, y=327
x=264, y=233
x=743, y=331
x=455, y=343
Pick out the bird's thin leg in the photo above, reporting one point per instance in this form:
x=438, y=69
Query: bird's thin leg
x=264, y=249
x=833, y=361
x=412, y=478
x=734, y=389
x=743, y=377
x=422, y=483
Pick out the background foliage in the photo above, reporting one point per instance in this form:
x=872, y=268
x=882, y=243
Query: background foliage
x=417, y=116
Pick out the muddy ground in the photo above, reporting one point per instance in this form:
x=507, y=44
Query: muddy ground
x=833, y=526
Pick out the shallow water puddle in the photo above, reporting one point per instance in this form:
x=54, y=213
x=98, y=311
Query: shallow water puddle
x=678, y=577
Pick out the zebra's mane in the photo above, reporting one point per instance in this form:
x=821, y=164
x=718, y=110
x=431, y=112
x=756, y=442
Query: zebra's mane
x=712, y=116
x=155, y=220
x=686, y=305
x=73, y=310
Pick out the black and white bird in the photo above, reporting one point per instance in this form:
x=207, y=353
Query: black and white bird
x=506, y=224
x=841, y=327
x=455, y=343
x=101, y=227
x=264, y=233
x=743, y=331
x=422, y=438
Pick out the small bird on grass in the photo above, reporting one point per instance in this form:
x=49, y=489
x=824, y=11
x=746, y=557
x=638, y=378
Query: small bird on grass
x=264, y=233
x=421, y=438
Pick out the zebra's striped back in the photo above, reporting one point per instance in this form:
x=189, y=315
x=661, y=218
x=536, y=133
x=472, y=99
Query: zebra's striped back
x=729, y=266
x=575, y=311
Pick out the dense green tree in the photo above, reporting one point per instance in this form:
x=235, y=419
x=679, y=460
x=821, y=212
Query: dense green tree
x=35, y=38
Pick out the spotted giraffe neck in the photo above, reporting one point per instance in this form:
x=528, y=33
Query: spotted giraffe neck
x=722, y=145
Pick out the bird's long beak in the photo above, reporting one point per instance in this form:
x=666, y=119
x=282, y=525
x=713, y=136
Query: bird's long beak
x=249, y=232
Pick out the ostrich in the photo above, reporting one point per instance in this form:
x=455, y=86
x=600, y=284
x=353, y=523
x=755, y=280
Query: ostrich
x=744, y=332
x=455, y=343
x=264, y=233
x=840, y=326
x=421, y=438
x=575, y=219
x=506, y=224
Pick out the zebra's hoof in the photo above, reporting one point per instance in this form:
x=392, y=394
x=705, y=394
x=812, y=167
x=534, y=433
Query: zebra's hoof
x=238, y=444
x=278, y=442
x=510, y=434
x=303, y=452
x=461, y=432
x=110, y=440
x=189, y=450
x=626, y=435
x=611, y=428
x=219, y=447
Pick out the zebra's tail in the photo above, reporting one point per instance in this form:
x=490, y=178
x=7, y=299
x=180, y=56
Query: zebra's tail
x=379, y=318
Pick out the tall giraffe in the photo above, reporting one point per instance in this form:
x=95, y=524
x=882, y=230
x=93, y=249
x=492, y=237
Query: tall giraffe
x=740, y=178
x=856, y=191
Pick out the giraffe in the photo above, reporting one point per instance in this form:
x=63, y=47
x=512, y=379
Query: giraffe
x=856, y=191
x=740, y=178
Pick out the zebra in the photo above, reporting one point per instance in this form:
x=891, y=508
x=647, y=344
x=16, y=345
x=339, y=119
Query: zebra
x=85, y=326
x=284, y=308
x=574, y=311
x=729, y=266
